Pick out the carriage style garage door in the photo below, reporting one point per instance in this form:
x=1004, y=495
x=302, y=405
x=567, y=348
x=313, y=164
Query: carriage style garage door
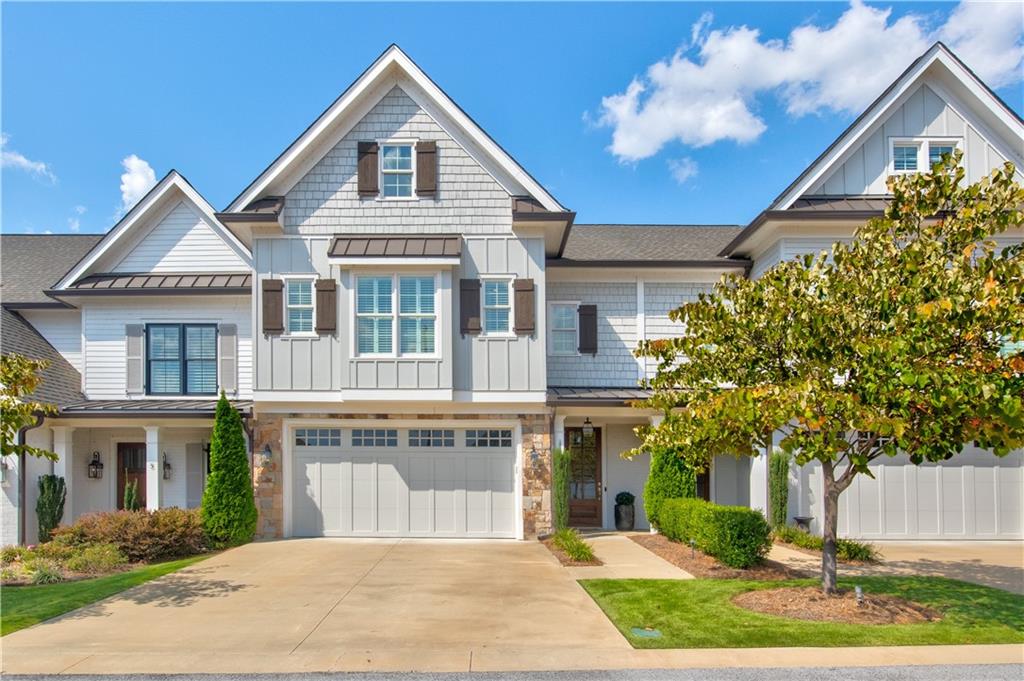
x=383, y=482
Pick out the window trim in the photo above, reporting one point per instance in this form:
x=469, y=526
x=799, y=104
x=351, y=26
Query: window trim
x=381, y=172
x=182, y=357
x=287, y=279
x=575, y=305
x=922, y=144
x=511, y=332
x=396, y=315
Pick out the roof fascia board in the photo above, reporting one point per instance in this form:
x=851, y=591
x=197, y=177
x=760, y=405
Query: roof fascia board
x=656, y=264
x=141, y=211
x=393, y=56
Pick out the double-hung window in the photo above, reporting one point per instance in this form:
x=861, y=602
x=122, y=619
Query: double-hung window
x=299, y=305
x=564, y=338
x=374, y=316
x=396, y=170
x=416, y=315
x=904, y=157
x=497, y=304
x=181, y=359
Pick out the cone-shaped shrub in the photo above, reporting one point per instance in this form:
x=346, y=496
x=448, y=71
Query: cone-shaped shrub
x=229, y=510
x=670, y=478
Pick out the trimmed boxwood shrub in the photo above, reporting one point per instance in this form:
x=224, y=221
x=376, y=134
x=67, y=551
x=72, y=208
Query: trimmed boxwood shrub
x=670, y=478
x=140, y=536
x=561, y=470
x=737, y=536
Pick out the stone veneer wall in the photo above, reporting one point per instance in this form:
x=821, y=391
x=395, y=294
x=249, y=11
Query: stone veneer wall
x=268, y=475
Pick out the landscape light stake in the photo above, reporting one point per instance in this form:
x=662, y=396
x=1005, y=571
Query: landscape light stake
x=860, y=596
x=693, y=548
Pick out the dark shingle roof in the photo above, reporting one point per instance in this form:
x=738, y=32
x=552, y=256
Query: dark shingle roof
x=631, y=244
x=61, y=384
x=31, y=264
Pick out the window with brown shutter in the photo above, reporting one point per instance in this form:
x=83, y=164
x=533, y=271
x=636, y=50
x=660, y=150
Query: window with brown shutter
x=588, y=329
x=368, y=181
x=469, y=306
x=326, y=306
x=426, y=168
x=273, y=306
x=525, y=307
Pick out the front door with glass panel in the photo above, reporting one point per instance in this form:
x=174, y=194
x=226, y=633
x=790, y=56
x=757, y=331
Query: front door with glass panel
x=131, y=467
x=585, y=477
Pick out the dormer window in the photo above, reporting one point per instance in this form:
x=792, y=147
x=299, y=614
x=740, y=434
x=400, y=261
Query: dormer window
x=396, y=170
x=919, y=154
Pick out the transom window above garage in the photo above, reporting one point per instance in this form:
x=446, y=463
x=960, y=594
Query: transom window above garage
x=431, y=438
x=374, y=437
x=488, y=438
x=318, y=437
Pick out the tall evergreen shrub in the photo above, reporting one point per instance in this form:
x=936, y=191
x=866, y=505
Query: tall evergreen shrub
x=131, y=495
x=229, y=509
x=560, y=474
x=670, y=478
x=50, y=504
x=778, y=488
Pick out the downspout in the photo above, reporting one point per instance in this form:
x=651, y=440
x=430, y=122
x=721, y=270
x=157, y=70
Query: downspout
x=22, y=480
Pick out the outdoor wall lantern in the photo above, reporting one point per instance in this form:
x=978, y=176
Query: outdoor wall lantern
x=588, y=427
x=95, y=467
x=3, y=471
x=167, y=468
x=268, y=453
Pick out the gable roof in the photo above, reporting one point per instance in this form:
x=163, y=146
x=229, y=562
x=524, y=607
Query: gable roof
x=30, y=264
x=938, y=60
x=118, y=234
x=647, y=246
x=61, y=383
x=332, y=125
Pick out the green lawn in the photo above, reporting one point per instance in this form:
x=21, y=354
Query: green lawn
x=23, y=606
x=699, y=614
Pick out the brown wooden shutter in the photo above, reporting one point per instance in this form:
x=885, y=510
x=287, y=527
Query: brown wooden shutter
x=426, y=168
x=368, y=169
x=469, y=306
x=326, y=306
x=588, y=329
x=525, y=307
x=134, y=358
x=273, y=306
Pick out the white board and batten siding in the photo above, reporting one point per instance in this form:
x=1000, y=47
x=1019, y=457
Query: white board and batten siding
x=103, y=330
x=182, y=241
x=923, y=114
x=975, y=495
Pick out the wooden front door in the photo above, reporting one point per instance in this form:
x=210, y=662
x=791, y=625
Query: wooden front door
x=585, y=484
x=131, y=465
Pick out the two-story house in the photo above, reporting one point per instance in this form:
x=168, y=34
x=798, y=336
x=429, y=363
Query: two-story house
x=409, y=323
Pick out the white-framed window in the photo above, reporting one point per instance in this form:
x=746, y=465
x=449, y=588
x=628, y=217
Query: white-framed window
x=563, y=328
x=919, y=154
x=390, y=306
x=497, y=306
x=398, y=169
x=300, y=312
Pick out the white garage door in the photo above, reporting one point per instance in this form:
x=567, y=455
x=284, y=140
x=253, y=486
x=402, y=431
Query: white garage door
x=976, y=495
x=403, y=483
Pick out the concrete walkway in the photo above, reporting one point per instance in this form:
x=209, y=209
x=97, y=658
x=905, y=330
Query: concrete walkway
x=991, y=563
x=623, y=558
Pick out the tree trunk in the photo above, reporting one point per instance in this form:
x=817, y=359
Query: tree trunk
x=830, y=530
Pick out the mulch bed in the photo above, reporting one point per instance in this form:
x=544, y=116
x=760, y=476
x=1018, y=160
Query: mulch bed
x=566, y=560
x=704, y=566
x=809, y=603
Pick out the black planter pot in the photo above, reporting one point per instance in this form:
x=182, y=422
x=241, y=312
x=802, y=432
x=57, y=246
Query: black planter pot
x=624, y=517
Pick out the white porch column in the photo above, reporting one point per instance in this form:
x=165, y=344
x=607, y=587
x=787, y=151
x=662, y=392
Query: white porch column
x=656, y=419
x=759, y=481
x=559, y=431
x=154, y=469
x=64, y=467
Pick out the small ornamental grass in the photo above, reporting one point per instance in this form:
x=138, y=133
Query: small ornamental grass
x=572, y=544
x=846, y=549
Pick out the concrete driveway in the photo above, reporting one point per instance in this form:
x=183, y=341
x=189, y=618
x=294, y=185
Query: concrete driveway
x=328, y=603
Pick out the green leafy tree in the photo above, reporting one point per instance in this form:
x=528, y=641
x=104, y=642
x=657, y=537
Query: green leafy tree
x=672, y=476
x=229, y=510
x=901, y=341
x=19, y=379
x=778, y=488
x=50, y=505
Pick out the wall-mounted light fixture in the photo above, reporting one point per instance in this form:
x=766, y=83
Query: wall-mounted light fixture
x=267, y=453
x=95, y=467
x=3, y=471
x=588, y=427
x=167, y=468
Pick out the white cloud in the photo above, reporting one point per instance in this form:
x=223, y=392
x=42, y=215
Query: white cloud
x=80, y=210
x=713, y=95
x=682, y=169
x=13, y=159
x=75, y=223
x=137, y=179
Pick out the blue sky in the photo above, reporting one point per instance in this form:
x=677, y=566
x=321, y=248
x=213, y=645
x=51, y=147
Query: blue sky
x=218, y=90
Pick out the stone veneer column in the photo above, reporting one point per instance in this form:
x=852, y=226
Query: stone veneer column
x=536, y=474
x=268, y=477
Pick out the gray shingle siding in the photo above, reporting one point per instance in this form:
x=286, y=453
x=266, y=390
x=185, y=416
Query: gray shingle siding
x=659, y=299
x=614, y=364
x=468, y=198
